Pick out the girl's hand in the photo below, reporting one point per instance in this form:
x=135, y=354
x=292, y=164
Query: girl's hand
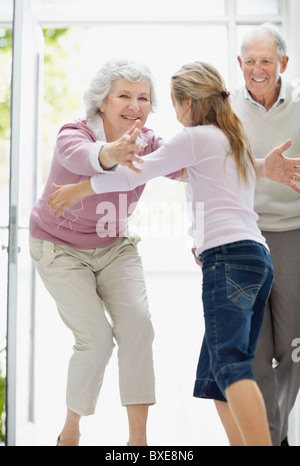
x=122, y=151
x=67, y=195
x=198, y=262
x=284, y=170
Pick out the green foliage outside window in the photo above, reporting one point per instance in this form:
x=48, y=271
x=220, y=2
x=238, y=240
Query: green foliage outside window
x=5, y=78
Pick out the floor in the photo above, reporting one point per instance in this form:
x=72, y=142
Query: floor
x=177, y=419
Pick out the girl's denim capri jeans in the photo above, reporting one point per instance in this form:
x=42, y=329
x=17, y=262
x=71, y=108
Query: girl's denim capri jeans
x=237, y=280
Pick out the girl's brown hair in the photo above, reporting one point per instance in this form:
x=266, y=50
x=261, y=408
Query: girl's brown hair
x=202, y=83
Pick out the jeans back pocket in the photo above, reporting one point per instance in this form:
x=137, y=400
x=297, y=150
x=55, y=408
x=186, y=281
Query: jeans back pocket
x=243, y=284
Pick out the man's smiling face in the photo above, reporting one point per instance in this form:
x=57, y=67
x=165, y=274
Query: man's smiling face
x=261, y=67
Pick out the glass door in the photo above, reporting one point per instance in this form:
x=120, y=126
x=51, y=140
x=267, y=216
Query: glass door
x=6, y=18
x=26, y=97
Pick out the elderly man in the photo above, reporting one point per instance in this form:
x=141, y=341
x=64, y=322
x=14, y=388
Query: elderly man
x=270, y=116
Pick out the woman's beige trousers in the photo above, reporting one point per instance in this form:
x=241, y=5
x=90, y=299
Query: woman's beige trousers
x=101, y=297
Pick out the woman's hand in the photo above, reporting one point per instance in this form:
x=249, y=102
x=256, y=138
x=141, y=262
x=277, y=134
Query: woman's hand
x=122, y=151
x=67, y=195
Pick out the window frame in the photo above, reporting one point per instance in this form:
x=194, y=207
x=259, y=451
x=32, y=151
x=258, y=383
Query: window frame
x=231, y=20
x=234, y=20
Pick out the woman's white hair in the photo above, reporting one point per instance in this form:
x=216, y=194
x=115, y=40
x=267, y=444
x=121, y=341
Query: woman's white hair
x=265, y=30
x=110, y=72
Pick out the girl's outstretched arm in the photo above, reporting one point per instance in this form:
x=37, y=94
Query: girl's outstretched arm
x=120, y=152
x=65, y=196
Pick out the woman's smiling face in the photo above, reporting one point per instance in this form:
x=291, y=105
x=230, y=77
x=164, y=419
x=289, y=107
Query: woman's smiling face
x=127, y=102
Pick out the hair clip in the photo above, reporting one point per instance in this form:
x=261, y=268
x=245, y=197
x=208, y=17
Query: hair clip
x=225, y=94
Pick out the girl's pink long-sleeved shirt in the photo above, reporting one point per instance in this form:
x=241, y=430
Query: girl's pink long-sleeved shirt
x=222, y=204
x=98, y=220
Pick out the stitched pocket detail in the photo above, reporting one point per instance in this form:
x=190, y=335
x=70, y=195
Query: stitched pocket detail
x=243, y=284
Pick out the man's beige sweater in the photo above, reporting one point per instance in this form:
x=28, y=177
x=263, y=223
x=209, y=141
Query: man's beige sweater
x=278, y=206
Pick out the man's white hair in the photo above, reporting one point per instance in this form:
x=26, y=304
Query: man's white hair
x=263, y=31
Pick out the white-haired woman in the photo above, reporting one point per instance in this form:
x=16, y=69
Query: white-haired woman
x=87, y=259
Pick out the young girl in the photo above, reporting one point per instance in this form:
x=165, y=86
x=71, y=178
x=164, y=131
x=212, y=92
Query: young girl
x=237, y=269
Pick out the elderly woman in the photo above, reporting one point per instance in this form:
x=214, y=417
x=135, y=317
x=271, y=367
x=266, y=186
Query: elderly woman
x=88, y=261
